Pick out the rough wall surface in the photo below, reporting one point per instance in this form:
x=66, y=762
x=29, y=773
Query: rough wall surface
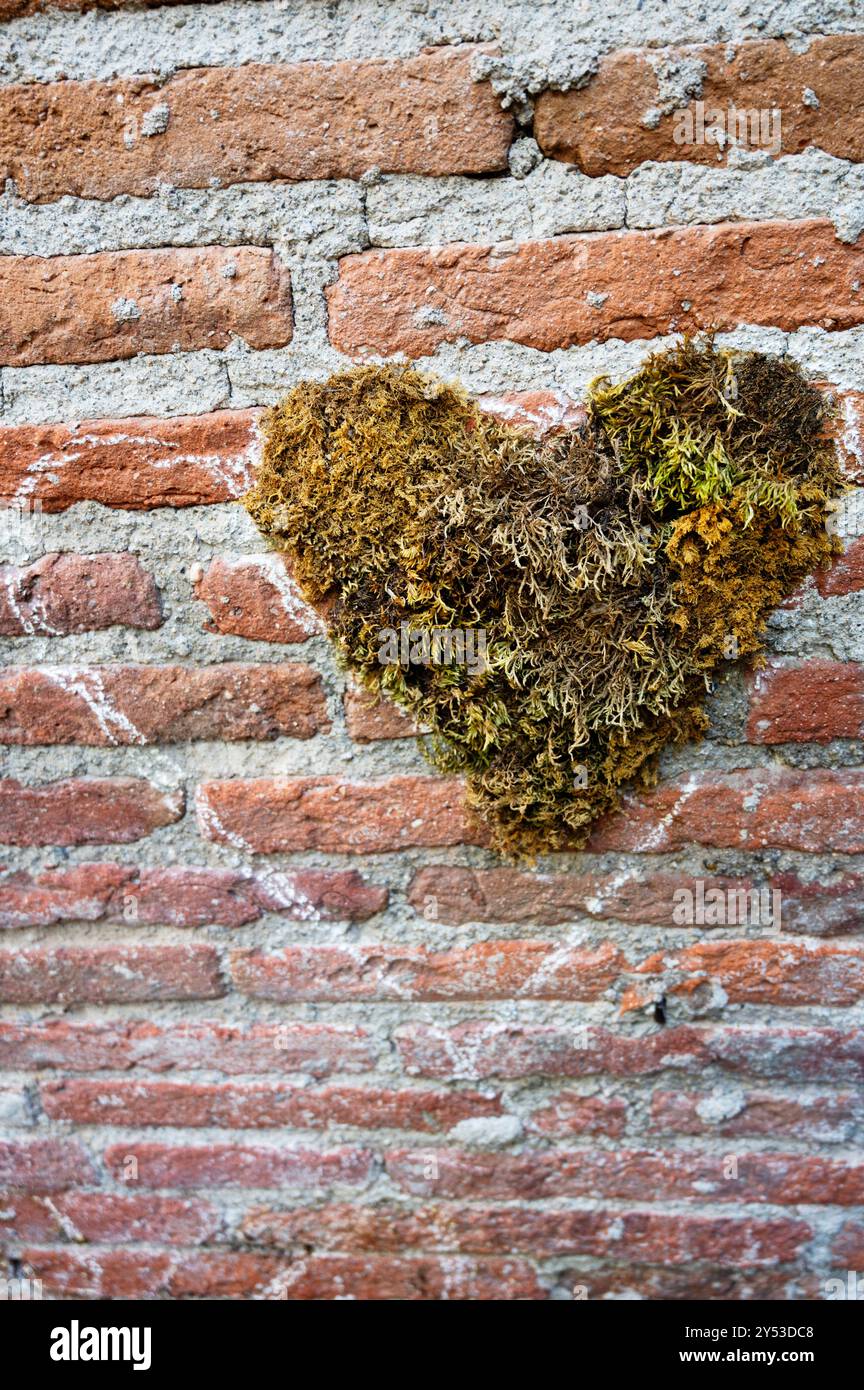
x=270, y=1025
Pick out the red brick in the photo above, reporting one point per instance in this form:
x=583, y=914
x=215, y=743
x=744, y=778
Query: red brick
x=369, y=718
x=49, y=1165
x=84, y=811
x=136, y=463
x=183, y=896
x=488, y=970
x=115, y=304
x=484, y=1230
x=571, y=1113
x=766, y=1114
x=12, y=9
x=419, y=115
x=62, y=594
x=815, y=809
x=254, y=596
x=109, y=974
x=695, y=1283
x=100, y=1273
x=602, y=126
x=815, y=907
x=263, y=1105
x=123, y=1045
x=101, y=706
x=270, y=815
x=807, y=702
x=782, y=1179
x=237, y=1165
x=478, y=1051
x=106, y=1273
x=760, y=972
x=848, y=1247
x=108, y=1217
x=538, y=412
x=846, y=574
x=781, y=273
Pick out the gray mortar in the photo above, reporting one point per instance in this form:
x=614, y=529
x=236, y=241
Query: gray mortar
x=541, y=43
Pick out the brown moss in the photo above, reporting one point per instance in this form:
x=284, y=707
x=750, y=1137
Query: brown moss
x=607, y=566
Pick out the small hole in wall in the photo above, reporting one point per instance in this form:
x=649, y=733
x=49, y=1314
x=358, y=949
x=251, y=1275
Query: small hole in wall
x=660, y=1010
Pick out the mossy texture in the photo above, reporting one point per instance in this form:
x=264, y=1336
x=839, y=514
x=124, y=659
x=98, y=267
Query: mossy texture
x=611, y=567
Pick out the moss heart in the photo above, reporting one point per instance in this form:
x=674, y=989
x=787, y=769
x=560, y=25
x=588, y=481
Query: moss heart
x=552, y=610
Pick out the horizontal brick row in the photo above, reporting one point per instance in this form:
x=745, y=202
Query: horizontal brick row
x=627, y=1174
x=766, y=1114
x=489, y=1230
x=488, y=970
x=260, y=1106
x=478, y=1051
x=829, y=906
x=118, y=705
x=98, y=308
x=814, y=810
x=136, y=463
x=121, y=1045
x=421, y=115
x=270, y=815
x=72, y=975
x=62, y=594
x=183, y=896
x=575, y=289
x=757, y=972
x=619, y=119
x=109, y=1273
x=85, y=811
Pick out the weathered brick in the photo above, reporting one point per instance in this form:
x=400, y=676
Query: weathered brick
x=848, y=1247
x=254, y=596
x=135, y=463
x=269, y=815
x=571, y=1113
x=602, y=126
x=84, y=811
x=369, y=718
x=100, y=1272
x=262, y=1105
x=183, y=896
x=808, y=702
x=62, y=594
x=116, y=705
x=538, y=412
x=421, y=115
x=677, y=1174
x=574, y=289
x=766, y=1114
x=478, y=1051
x=96, y=308
x=315, y=1049
x=109, y=1217
x=846, y=574
x=485, y=1230
x=815, y=809
x=829, y=906
x=488, y=970
x=109, y=974
x=758, y=972
x=236, y=1165
x=109, y=1273
x=46, y=1165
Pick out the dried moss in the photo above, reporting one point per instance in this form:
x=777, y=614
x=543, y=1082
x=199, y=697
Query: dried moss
x=611, y=567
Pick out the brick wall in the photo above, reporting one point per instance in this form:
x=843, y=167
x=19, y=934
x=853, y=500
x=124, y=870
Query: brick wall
x=270, y=1024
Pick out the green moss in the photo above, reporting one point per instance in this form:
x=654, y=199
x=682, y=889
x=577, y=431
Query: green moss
x=608, y=566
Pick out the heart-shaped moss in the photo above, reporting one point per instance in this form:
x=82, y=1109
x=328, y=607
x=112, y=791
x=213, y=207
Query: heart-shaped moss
x=552, y=610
